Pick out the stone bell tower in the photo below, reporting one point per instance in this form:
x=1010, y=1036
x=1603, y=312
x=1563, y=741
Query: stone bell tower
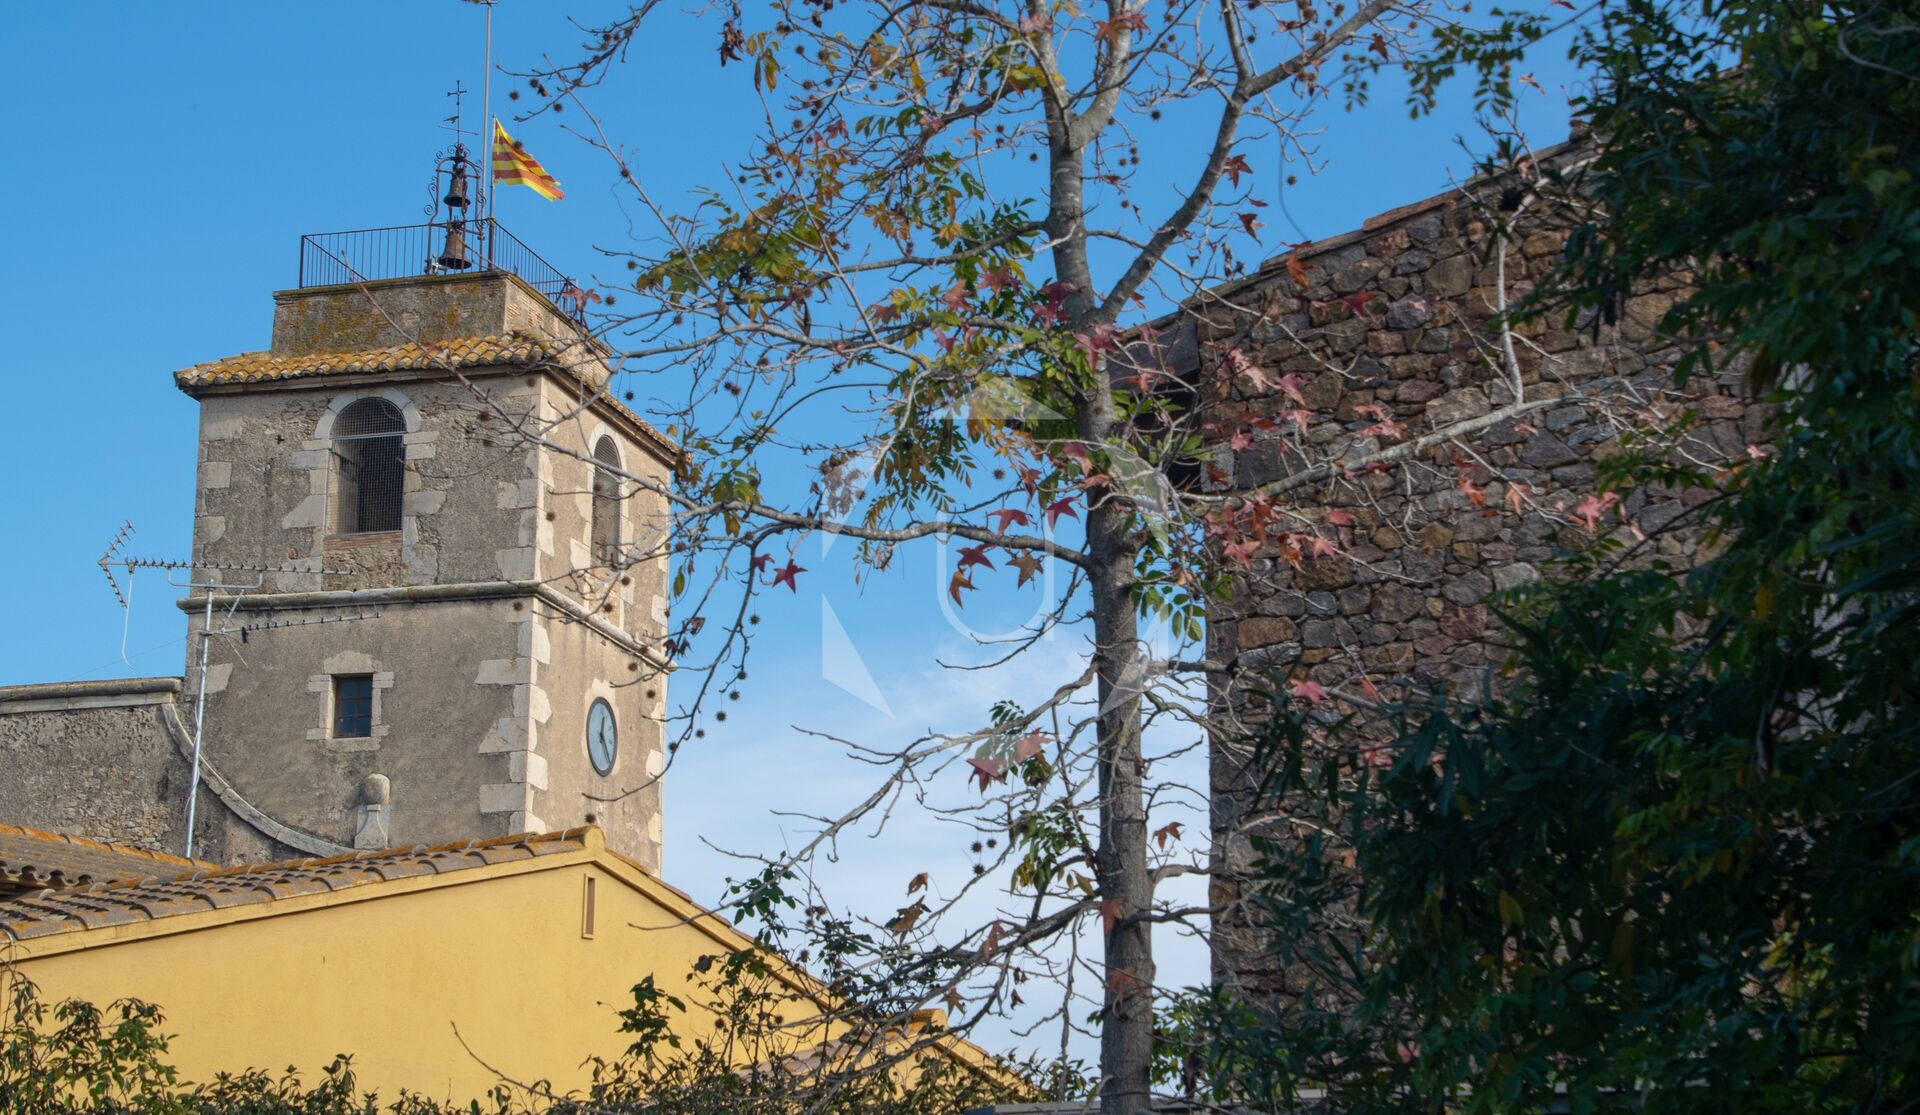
x=440, y=448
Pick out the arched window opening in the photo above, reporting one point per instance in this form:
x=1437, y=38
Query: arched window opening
x=606, y=502
x=369, y=467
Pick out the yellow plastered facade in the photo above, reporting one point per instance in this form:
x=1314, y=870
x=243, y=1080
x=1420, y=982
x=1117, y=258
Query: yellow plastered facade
x=440, y=985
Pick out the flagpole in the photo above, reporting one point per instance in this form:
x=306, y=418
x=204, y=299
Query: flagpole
x=486, y=141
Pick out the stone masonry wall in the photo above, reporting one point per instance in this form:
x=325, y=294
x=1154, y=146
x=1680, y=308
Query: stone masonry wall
x=97, y=759
x=1388, y=566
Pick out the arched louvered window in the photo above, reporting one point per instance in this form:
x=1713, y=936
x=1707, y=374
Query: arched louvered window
x=369, y=467
x=606, y=502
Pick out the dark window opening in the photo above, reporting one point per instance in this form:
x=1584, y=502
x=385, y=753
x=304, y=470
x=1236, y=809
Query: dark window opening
x=606, y=503
x=370, y=466
x=353, y=706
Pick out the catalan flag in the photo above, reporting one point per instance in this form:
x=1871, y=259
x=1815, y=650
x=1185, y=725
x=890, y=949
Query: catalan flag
x=512, y=165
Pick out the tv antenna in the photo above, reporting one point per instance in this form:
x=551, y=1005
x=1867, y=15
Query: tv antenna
x=209, y=577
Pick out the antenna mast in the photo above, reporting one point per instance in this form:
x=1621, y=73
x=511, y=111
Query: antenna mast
x=113, y=558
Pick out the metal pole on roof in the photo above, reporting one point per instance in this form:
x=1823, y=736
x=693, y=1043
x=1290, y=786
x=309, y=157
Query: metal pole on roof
x=486, y=146
x=199, y=720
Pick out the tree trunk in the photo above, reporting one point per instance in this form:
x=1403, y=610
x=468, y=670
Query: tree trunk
x=1126, y=1035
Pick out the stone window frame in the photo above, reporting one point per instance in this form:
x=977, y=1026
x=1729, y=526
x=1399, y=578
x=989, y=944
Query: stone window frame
x=606, y=554
x=317, y=456
x=351, y=450
x=349, y=663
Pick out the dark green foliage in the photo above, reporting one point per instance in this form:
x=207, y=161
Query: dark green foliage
x=1675, y=865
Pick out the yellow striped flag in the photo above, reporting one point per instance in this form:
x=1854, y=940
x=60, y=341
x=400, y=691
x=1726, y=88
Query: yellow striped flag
x=512, y=165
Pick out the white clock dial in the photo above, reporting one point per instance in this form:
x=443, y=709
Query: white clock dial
x=603, y=737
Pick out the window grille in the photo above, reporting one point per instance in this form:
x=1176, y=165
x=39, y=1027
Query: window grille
x=370, y=464
x=353, y=706
x=606, y=502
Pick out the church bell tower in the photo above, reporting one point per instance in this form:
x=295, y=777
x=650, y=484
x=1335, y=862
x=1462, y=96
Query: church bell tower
x=432, y=442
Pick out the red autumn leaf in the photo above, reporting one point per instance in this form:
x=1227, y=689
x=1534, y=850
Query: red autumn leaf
x=1297, y=270
x=1516, y=492
x=1117, y=27
x=1378, y=45
x=1592, y=507
x=988, y=771
x=580, y=298
x=787, y=576
x=1109, y=914
x=1009, y=517
x=1340, y=518
x=1029, y=478
x=1169, y=831
x=905, y=918
x=1242, y=366
x=1320, y=547
x=1290, y=384
x=959, y=582
x=1059, y=507
x=1241, y=441
x=1028, y=565
x=761, y=561
x=975, y=555
x=1357, y=301
x=1308, y=691
x=1527, y=79
x=1474, y=493
x=991, y=941
x=955, y=298
x=998, y=279
x=952, y=999
x=1234, y=167
x=919, y=883
x=1030, y=746
x=1252, y=223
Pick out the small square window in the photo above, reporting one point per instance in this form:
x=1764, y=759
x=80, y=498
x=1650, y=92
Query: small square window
x=352, y=706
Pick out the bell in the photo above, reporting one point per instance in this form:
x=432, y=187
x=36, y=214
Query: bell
x=457, y=188
x=453, y=257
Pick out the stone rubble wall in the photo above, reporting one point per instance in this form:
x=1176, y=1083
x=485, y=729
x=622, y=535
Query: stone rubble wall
x=1394, y=317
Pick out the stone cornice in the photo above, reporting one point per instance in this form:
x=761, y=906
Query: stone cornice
x=438, y=594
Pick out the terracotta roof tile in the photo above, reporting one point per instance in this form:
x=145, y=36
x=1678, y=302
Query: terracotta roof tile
x=461, y=352
x=32, y=859
x=134, y=900
x=493, y=350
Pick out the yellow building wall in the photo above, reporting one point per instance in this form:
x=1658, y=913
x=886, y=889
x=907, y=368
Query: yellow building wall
x=388, y=979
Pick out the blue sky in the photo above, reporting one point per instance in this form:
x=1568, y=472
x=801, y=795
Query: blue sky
x=167, y=159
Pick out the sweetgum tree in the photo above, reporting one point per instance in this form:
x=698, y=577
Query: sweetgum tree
x=925, y=291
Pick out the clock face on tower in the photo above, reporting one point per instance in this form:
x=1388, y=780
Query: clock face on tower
x=603, y=736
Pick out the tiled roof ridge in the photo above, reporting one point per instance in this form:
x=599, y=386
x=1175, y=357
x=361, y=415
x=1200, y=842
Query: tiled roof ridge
x=109, y=846
x=260, y=365
x=516, y=346
x=208, y=887
x=214, y=872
